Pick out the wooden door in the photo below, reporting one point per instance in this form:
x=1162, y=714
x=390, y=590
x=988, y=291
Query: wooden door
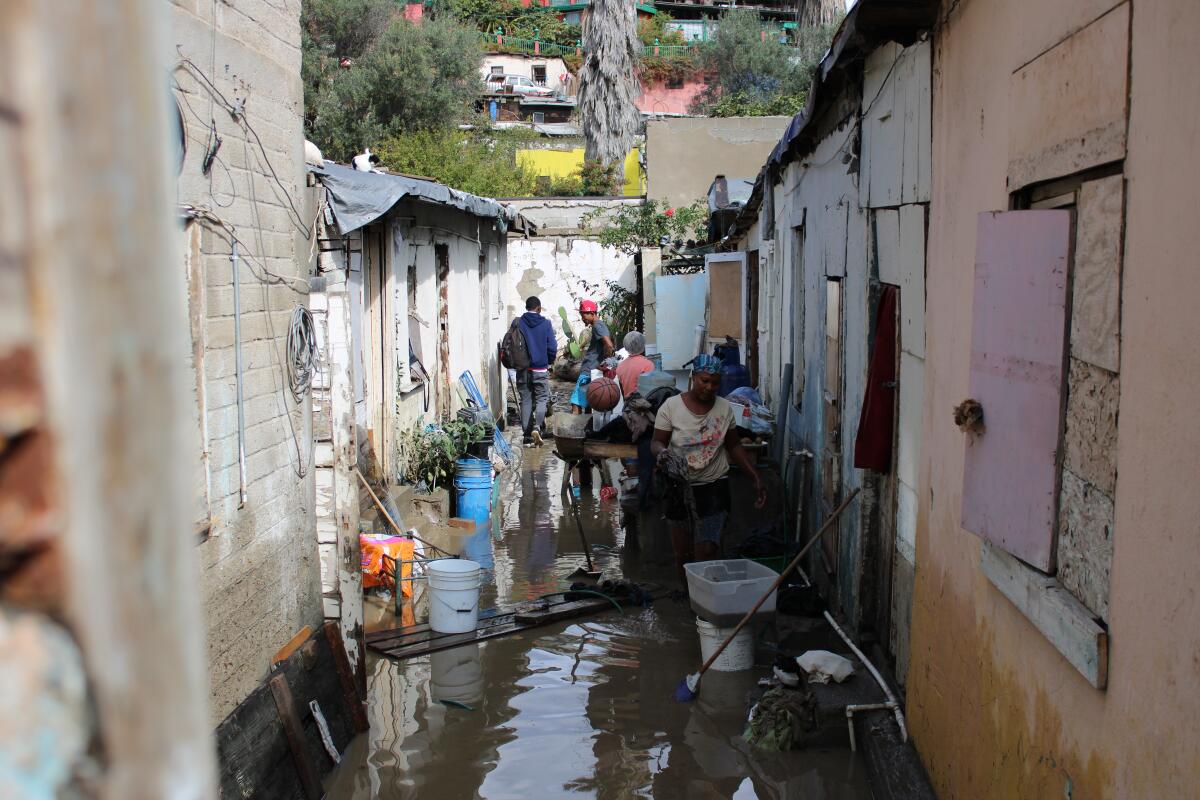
x=442, y=266
x=752, y=315
x=831, y=452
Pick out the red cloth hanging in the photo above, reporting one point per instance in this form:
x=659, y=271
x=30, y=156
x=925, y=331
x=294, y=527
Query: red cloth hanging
x=877, y=425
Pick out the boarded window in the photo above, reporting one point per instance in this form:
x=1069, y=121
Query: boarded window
x=539, y=75
x=725, y=306
x=1010, y=475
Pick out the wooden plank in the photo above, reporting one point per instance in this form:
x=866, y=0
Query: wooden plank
x=292, y=646
x=887, y=245
x=609, y=450
x=1010, y=473
x=725, y=305
x=488, y=617
x=312, y=675
x=421, y=643
x=341, y=662
x=1063, y=620
x=285, y=706
x=252, y=753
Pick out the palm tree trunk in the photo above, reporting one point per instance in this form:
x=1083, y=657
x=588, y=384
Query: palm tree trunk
x=608, y=85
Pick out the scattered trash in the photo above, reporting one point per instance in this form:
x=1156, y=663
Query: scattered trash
x=608, y=493
x=782, y=719
x=786, y=672
x=821, y=665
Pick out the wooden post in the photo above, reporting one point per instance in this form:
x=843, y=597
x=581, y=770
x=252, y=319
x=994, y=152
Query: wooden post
x=345, y=483
x=285, y=706
x=108, y=286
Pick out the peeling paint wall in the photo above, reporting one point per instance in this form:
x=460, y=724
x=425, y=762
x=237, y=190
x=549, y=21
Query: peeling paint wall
x=995, y=710
x=561, y=266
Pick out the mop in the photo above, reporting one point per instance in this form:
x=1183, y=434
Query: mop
x=689, y=687
x=590, y=573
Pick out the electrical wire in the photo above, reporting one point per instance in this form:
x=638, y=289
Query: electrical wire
x=237, y=111
x=302, y=354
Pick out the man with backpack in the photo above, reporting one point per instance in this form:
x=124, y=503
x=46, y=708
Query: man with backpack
x=530, y=347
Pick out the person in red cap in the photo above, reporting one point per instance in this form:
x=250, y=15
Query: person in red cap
x=600, y=348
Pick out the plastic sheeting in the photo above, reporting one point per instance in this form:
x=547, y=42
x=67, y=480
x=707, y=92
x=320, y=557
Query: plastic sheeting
x=360, y=198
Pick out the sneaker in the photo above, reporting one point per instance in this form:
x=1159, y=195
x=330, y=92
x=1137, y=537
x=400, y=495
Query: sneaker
x=527, y=440
x=537, y=438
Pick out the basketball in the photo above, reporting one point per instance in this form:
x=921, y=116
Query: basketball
x=603, y=394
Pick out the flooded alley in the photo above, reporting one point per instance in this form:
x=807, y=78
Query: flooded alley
x=581, y=708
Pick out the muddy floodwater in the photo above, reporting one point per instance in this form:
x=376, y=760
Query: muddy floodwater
x=578, y=709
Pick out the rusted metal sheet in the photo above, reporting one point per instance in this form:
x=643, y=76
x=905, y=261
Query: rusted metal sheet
x=1017, y=350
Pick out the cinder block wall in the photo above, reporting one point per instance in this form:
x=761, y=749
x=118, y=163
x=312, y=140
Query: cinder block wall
x=261, y=578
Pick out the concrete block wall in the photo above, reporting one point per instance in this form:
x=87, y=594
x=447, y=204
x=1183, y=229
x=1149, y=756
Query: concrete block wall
x=260, y=570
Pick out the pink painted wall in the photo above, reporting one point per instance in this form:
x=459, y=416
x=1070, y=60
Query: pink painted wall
x=994, y=709
x=658, y=99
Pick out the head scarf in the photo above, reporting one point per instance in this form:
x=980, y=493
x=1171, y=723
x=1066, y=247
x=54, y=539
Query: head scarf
x=706, y=363
x=635, y=343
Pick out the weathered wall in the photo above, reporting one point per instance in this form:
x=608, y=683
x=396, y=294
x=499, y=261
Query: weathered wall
x=260, y=573
x=994, y=708
x=684, y=154
x=560, y=265
x=658, y=98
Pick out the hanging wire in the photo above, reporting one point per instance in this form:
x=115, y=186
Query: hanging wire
x=303, y=359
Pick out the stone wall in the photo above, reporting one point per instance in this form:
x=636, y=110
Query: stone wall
x=260, y=576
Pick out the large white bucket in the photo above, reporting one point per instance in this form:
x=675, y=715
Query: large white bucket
x=453, y=595
x=738, y=656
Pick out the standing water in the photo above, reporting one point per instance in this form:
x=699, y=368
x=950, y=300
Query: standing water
x=582, y=708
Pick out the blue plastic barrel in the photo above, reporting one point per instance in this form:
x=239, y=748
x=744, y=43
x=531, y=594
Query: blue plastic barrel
x=473, y=488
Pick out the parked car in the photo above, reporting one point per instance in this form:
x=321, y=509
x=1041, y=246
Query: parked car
x=517, y=84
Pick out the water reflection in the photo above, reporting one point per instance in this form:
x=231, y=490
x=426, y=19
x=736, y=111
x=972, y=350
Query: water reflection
x=582, y=708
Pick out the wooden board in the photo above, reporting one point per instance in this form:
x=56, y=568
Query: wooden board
x=573, y=449
x=1062, y=619
x=725, y=305
x=254, y=751
x=419, y=640
x=1018, y=330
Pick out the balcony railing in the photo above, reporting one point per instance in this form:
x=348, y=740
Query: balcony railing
x=503, y=43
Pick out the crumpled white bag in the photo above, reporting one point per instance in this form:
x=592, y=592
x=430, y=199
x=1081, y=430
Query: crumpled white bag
x=821, y=665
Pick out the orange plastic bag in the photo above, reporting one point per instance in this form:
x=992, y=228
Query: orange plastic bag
x=377, y=572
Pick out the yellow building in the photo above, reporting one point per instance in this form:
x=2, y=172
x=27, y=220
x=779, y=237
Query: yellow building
x=566, y=163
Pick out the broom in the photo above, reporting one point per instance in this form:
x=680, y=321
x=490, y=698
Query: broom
x=689, y=687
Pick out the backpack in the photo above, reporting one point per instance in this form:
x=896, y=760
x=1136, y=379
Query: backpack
x=514, y=351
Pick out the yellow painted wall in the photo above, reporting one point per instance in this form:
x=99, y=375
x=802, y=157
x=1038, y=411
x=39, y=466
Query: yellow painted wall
x=565, y=163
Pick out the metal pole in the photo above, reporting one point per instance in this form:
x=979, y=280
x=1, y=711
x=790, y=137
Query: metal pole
x=237, y=351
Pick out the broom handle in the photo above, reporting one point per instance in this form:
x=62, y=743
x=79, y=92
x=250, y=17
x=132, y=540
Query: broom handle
x=778, y=581
x=388, y=517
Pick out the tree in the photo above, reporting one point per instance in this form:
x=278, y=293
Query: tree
x=414, y=77
x=608, y=83
x=632, y=228
x=752, y=73
x=482, y=163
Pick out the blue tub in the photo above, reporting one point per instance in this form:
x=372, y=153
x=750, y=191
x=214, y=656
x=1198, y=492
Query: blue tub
x=473, y=489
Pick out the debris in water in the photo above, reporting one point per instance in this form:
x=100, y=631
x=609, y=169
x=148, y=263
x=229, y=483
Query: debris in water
x=456, y=704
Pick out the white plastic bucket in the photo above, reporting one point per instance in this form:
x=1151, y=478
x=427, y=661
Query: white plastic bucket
x=738, y=656
x=453, y=595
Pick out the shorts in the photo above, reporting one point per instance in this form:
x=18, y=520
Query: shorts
x=579, y=396
x=712, y=509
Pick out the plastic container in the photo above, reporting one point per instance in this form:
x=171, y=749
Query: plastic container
x=723, y=591
x=453, y=595
x=473, y=488
x=738, y=656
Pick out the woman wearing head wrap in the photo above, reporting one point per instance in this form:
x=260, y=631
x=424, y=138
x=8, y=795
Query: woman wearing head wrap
x=636, y=365
x=694, y=440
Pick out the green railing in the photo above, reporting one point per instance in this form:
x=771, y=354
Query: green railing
x=503, y=43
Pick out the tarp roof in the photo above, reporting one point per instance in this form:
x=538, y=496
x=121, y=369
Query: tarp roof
x=359, y=198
